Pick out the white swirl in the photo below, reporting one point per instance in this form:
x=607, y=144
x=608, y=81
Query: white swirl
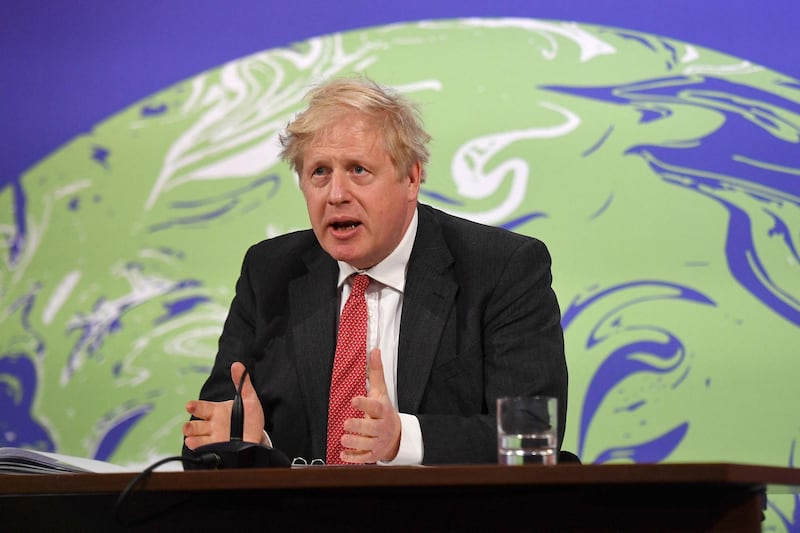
x=469, y=166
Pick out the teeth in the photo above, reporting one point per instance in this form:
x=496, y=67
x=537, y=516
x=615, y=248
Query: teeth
x=350, y=225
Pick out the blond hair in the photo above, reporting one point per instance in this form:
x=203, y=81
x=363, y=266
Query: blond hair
x=396, y=116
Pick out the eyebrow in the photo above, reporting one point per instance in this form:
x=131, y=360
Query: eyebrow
x=348, y=161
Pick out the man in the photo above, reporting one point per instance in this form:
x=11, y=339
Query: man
x=459, y=313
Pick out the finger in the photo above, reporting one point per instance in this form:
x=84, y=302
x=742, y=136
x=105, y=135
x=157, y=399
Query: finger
x=361, y=426
x=195, y=442
x=195, y=428
x=202, y=409
x=377, y=383
x=196, y=433
x=357, y=443
x=358, y=456
x=371, y=407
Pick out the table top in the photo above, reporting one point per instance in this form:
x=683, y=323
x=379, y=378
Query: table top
x=776, y=479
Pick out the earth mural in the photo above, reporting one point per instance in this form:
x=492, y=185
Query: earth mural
x=664, y=178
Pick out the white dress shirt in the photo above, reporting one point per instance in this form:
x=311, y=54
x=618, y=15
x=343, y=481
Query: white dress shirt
x=384, y=297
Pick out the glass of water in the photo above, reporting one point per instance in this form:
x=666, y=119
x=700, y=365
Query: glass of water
x=527, y=431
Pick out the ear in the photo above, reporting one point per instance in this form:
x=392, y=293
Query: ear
x=414, y=179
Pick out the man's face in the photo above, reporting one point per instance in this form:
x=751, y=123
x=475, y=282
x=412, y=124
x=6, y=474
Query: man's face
x=358, y=206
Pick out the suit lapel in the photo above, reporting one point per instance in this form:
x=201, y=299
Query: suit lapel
x=313, y=305
x=427, y=302
x=428, y=299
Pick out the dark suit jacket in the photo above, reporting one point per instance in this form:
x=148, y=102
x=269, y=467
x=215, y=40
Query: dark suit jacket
x=479, y=320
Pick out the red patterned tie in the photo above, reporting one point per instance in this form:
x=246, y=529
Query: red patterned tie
x=349, y=366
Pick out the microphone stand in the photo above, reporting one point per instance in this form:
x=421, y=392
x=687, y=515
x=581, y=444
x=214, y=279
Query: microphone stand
x=236, y=453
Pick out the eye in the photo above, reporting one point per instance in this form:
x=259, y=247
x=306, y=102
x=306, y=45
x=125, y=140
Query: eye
x=358, y=169
x=318, y=176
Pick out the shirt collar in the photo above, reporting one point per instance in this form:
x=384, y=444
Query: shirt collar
x=392, y=270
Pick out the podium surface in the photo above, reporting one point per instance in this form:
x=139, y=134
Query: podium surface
x=568, y=497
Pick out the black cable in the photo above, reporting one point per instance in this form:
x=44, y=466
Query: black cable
x=207, y=459
x=237, y=411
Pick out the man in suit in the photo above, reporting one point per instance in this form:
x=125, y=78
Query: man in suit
x=459, y=313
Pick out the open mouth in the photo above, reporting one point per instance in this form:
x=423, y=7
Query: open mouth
x=346, y=225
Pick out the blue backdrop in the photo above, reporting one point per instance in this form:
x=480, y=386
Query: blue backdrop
x=68, y=65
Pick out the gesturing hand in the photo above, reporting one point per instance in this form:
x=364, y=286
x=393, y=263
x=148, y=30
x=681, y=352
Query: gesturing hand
x=376, y=437
x=214, y=424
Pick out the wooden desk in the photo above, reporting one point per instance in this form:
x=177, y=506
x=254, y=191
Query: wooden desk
x=660, y=497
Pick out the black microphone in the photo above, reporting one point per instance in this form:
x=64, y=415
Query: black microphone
x=236, y=453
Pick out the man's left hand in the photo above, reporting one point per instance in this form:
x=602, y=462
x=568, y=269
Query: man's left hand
x=376, y=437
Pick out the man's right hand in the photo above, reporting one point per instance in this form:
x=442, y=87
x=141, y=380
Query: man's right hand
x=214, y=424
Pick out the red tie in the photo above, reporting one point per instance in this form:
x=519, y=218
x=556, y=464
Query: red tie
x=349, y=366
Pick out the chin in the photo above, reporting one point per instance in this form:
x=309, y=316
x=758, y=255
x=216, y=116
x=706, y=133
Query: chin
x=352, y=255
x=346, y=256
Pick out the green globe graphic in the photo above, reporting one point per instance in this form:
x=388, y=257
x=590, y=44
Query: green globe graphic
x=663, y=177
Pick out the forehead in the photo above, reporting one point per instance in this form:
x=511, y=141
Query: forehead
x=352, y=134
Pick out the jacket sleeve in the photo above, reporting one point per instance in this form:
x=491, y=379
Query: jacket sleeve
x=522, y=349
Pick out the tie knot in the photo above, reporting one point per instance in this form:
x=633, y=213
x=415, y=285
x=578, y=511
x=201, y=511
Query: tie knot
x=359, y=284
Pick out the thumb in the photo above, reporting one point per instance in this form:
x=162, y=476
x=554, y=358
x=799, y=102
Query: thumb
x=237, y=369
x=377, y=383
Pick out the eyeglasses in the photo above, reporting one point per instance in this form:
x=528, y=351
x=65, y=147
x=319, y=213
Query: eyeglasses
x=301, y=461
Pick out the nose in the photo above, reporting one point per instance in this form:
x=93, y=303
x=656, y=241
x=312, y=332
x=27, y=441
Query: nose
x=339, y=191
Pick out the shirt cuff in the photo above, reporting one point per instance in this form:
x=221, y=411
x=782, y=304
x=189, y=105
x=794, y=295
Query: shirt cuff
x=411, y=448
